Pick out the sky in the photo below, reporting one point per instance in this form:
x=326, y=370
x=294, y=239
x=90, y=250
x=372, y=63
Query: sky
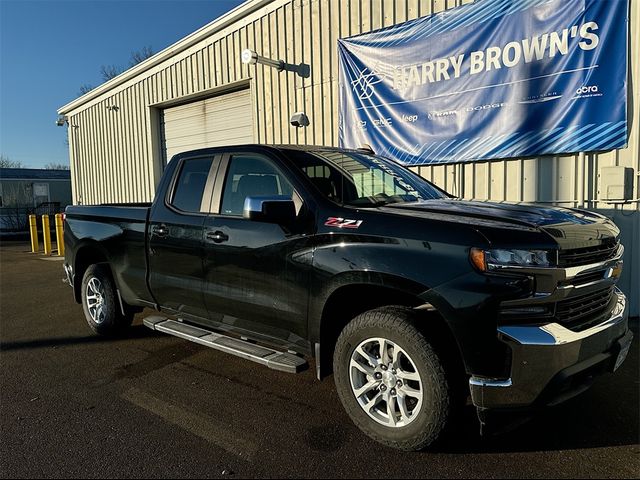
x=50, y=48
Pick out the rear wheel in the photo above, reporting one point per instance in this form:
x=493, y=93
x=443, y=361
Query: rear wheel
x=390, y=380
x=100, y=302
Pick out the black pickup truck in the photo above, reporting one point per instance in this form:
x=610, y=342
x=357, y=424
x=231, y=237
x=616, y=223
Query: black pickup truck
x=413, y=299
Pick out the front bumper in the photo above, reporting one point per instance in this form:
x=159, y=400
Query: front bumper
x=551, y=363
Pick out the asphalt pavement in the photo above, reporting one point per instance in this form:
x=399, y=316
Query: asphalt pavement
x=149, y=405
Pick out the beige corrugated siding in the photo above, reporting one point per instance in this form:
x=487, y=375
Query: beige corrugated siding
x=112, y=150
x=116, y=155
x=119, y=143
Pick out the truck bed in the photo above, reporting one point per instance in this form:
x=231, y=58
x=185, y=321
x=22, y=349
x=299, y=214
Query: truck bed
x=119, y=231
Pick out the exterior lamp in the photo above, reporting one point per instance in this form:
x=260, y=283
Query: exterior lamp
x=249, y=57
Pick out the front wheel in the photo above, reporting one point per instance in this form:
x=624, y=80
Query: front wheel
x=100, y=302
x=390, y=380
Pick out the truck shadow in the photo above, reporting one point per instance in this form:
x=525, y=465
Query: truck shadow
x=136, y=332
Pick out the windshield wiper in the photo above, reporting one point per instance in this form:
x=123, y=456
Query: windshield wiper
x=381, y=203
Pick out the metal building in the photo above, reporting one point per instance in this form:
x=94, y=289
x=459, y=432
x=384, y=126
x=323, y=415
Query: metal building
x=25, y=191
x=198, y=93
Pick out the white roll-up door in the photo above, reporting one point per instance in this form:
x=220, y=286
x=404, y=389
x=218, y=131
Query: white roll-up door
x=217, y=121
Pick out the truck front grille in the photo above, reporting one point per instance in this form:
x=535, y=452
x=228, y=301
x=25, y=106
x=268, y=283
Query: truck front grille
x=576, y=313
x=588, y=255
x=582, y=311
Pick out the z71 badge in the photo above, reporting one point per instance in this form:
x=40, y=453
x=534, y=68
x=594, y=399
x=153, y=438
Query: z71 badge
x=342, y=223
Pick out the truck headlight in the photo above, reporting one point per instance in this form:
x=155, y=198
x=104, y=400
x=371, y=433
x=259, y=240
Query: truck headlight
x=496, y=259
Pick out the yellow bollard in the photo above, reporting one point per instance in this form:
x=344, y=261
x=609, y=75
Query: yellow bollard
x=59, y=235
x=46, y=234
x=33, y=229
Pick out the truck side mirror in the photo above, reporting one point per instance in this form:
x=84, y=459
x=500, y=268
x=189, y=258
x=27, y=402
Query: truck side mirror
x=278, y=209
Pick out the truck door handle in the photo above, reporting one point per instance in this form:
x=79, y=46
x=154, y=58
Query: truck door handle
x=160, y=231
x=218, y=236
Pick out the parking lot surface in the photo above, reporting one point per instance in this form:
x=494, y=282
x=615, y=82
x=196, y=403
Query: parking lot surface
x=150, y=405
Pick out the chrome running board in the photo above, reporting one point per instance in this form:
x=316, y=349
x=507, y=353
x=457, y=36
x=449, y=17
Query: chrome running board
x=274, y=359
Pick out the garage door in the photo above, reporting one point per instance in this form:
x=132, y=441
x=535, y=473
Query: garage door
x=222, y=120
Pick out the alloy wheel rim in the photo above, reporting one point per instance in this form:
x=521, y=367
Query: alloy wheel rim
x=96, y=300
x=385, y=382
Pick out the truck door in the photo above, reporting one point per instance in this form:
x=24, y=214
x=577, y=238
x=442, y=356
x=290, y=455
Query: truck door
x=256, y=273
x=176, y=238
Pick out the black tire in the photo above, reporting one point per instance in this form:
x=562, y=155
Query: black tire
x=395, y=324
x=111, y=321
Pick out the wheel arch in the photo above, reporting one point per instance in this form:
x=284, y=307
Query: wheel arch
x=348, y=301
x=87, y=255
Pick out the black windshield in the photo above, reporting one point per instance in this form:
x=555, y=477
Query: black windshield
x=360, y=179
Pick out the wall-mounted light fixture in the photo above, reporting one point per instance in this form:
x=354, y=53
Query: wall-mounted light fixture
x=299, y=120
x=249, y=57
x=62, y=119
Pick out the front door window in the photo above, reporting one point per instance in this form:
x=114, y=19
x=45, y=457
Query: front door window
x=251, y=176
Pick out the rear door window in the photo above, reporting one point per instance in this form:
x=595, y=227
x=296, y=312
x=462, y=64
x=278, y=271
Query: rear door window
x=189, y=190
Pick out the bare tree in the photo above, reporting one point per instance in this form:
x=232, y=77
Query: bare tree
x=109, y=71
x=86, y=88
x=56, y=166
x=140, y=56
x=15, y=219
x=14, y=207
x=5, y=162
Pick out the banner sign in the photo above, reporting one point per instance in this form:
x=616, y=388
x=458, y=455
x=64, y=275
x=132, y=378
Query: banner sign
x=490, y=79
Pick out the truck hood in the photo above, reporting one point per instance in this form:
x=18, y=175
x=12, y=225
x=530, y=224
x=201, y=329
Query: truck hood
x=570, y=228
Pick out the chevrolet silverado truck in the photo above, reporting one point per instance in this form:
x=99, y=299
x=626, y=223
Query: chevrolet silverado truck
x=414, y=300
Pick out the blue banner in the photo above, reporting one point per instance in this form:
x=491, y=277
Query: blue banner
x=491, y=79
